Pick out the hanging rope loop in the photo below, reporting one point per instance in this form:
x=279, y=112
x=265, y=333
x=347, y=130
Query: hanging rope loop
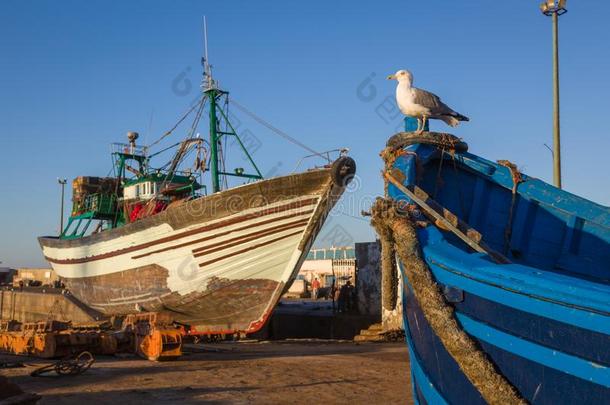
x=397, y=229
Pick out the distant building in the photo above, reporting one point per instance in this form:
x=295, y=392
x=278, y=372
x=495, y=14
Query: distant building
x=334, y=263
x=6, y=275
x=40, y=276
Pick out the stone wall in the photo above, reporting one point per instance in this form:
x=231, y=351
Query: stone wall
x=28, y=306
x=369, y=288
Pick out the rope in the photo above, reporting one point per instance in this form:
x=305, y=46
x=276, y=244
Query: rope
x=438, y=174
x=276, y=130
x=397, y=231
x=389, y=272
x=167, y=133
x=68, y=366
x=459, y=187
x=517, y=178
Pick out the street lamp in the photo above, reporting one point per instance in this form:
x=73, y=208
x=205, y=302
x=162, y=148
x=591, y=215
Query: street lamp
x=555, y=8
x=62, y=183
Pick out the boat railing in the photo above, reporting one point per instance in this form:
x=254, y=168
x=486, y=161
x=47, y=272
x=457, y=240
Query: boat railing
x=322, y=155
x=99, y=203
x=128, y=149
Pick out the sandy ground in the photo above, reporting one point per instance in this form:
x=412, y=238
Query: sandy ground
x=322, y=372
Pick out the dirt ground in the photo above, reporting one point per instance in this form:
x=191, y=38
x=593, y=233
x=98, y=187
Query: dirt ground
x=324, y=372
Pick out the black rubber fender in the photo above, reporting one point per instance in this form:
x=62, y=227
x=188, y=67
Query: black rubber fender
x=343, y=171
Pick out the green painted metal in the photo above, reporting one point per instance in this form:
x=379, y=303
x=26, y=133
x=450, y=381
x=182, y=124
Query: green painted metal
x=247, y=176
x=234, y=133
x=213, y=94
x=107, y=207
x=157, y=177
x=77, y=231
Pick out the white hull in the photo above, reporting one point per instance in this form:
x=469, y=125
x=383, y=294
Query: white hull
x=238, y=263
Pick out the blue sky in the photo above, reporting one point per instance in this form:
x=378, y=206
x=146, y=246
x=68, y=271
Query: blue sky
x=75, y=76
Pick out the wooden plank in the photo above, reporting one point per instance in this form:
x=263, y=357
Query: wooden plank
x=418, y=197
x=448, y=215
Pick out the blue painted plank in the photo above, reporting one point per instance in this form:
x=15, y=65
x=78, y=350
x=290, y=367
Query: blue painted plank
x=430, y=392
x=558, y=360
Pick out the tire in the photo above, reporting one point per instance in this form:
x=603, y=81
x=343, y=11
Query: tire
x=343, y=171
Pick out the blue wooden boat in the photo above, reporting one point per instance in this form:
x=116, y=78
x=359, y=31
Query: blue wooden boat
x=543, y=316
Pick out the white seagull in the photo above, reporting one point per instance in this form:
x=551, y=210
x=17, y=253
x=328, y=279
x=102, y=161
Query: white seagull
x=421, y=104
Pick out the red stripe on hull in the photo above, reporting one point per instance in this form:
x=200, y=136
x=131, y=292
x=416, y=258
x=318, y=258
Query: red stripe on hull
x=206, y=228
x=217, y=247
x=249, y=248
x=218, y=235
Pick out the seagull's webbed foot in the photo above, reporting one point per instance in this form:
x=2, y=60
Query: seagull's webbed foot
x=423, y=125
x=420, y=126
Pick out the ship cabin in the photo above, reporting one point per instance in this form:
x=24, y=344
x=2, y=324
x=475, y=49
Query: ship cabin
x=152, y=193
x=135, y=192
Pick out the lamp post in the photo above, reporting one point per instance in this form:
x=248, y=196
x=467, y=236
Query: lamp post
x=555, y=8
x=62, y=183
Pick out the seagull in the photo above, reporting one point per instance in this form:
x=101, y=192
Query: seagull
x=421, y=104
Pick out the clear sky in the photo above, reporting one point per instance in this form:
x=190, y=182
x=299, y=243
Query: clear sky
x=75, y=76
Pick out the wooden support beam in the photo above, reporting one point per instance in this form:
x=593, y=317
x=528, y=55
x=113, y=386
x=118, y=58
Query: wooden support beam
x=450, y=221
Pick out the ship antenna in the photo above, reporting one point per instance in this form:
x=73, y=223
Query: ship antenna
x=208, y=81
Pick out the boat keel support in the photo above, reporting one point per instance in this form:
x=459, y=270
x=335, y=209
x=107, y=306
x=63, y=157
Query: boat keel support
x=155, y=337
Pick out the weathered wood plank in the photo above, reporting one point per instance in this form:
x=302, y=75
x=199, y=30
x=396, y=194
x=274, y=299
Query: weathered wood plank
x=432, y=209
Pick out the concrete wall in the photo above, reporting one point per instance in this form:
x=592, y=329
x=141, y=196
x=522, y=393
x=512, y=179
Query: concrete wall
x=44, y=275
x=317, y=266
x=370, y=289
x=368, y=283
x=27, y=306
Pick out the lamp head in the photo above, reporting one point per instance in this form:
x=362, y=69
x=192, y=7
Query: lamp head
x=548, y=7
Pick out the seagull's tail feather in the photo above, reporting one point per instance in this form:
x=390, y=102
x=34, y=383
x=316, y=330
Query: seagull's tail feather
x=449, y=120
x=460, y=117
x=453, y=119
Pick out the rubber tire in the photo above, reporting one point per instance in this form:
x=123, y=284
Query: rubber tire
x=343, y=171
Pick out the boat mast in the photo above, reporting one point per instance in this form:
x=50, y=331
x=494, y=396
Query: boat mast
x=214, y=94
x=211, y=92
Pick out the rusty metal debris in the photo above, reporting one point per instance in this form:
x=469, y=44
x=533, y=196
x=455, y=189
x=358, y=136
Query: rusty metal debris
x=69, y=366
x=150, y=335
x=48, y=339
x=155, y=337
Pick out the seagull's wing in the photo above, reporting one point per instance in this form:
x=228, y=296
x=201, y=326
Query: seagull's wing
x=432, y=102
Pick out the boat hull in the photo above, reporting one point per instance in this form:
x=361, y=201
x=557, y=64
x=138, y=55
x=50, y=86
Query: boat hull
x=549, y=349
x=218, y=263
x=543, y=320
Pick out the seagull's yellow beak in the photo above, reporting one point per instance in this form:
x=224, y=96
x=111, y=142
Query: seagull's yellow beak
x=391, y=77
